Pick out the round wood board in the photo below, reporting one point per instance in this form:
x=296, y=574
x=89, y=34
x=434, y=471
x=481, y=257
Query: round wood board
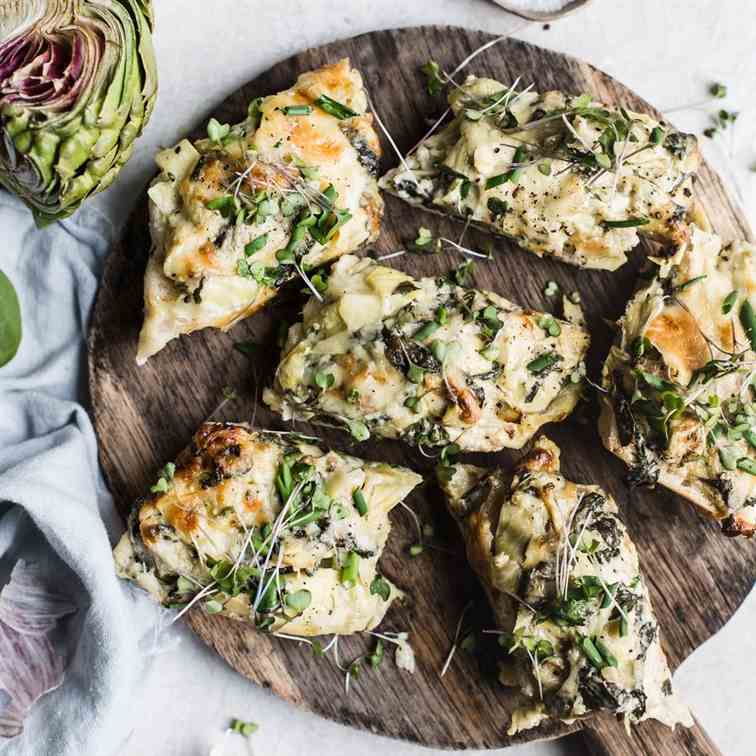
x=144, y=416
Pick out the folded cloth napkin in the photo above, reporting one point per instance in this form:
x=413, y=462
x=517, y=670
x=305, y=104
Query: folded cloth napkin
x=54, y=507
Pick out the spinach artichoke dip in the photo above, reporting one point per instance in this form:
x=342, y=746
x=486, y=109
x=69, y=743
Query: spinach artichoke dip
x=426, y=361
x=679, y=407
x=266, y=528
x=236, y=215
x=571, y=606
x=562, y=175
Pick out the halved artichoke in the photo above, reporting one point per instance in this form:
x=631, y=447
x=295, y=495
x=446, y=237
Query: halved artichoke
x=78, y=83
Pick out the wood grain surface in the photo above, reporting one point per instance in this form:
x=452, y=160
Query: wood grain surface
x=144, y=416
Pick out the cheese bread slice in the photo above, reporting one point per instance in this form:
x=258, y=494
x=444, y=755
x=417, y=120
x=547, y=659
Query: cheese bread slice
x=570, y=602
x=236, y=215
x=266, y=528
x=564, y=176
x=427, y=361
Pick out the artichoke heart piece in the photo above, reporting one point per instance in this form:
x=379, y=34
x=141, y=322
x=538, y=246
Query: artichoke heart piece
x=562, y=175
x=235, y=216
x=576, y=625
x=265, y=528
x=427, y=361
x=78, y=83
x=679, y=407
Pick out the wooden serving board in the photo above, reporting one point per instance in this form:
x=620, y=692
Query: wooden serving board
x=144, y=416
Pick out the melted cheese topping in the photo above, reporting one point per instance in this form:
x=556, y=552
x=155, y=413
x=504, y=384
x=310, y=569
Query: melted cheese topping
x=561, y=568
x=572, y=185
x=690, y=322
x=199, y=273
x=427, y=361
x=224, y=491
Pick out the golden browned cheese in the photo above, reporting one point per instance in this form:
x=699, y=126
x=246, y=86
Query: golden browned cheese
x=571, y=606
x=679, y=407
x=564, y=176
x=216, y=197
x=427, y=361
x=261, y=527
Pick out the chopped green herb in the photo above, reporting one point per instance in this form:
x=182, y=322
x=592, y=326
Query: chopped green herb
x=549, y=325
x=433, y=81
x=690, y=282
x=216, y=131
x=718, y=90
x=324, y=380
x=591, y=652
x=334, y=108
x=748, y=321
x=213, y=607
x=424, y=237
x=729, y=302
x=426, y=330
x=411, y=402
x=442, y=315
x=297, y=110
x=415, y=374
x=657, y=135
x=243, y=728
x=256, y=245
x=360, y=504
x=607, y=655
x=543, y=362
x=416, y=549
x=358, y=429
x=376, y=657
x=299, y=600
x=747, y=465
x=350, y=569
x=544, y=167
x=353, y=397
x=629, y=223
x=511, y=175
x=380, y=587
x=460, y=274
x=439, y=350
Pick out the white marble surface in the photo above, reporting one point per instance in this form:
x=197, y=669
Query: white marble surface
x=667, y=50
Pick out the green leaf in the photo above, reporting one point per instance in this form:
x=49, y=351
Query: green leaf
x=360, y=503
x=324, y=380
x=213, y=607
x=10, y=320
x=747, y=465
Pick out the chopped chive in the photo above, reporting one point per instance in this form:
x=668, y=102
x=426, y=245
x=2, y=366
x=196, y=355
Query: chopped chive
x=411, y=402
x=592, y=653
x=549, y=325
x=297, y=110
x=543, y=362
x=729, y=302
x=608, y=597
x=334, y=108
x=657, y=135
x=439, y=350
x=299, y=600
x=629, y=223
x=748, y=321
x=360, y=504
x=442, y=315
x=426, y=330
x=256, y=245
x=690, y=282
x=747, y=465
x=350, y=569
x=623, y=627
x=603, y=649
x=415, y=374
